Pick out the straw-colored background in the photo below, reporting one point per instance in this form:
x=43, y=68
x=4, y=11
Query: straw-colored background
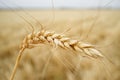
x=105, y=35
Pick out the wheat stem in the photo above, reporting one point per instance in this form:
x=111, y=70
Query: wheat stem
x=16, y=64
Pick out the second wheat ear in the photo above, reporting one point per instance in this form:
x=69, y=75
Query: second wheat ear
x=43, y=36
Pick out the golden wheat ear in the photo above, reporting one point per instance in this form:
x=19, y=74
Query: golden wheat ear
x=16, y=63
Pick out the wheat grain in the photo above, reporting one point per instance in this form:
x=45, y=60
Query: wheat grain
x=43, y=37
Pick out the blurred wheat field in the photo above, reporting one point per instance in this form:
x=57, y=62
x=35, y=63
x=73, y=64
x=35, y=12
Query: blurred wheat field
x=105, y=35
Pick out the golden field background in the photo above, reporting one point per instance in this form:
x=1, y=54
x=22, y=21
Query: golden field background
x=62, y=65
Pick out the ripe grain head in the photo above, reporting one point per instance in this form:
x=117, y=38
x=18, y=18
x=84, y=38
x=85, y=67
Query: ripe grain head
x=57, y=40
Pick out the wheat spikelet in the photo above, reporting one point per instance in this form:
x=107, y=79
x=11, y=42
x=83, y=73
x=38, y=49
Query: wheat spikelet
x=43, y=37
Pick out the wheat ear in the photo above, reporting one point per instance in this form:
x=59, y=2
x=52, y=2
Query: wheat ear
x=35, y=38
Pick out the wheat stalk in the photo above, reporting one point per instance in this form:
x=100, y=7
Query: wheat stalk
x=43, y=37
